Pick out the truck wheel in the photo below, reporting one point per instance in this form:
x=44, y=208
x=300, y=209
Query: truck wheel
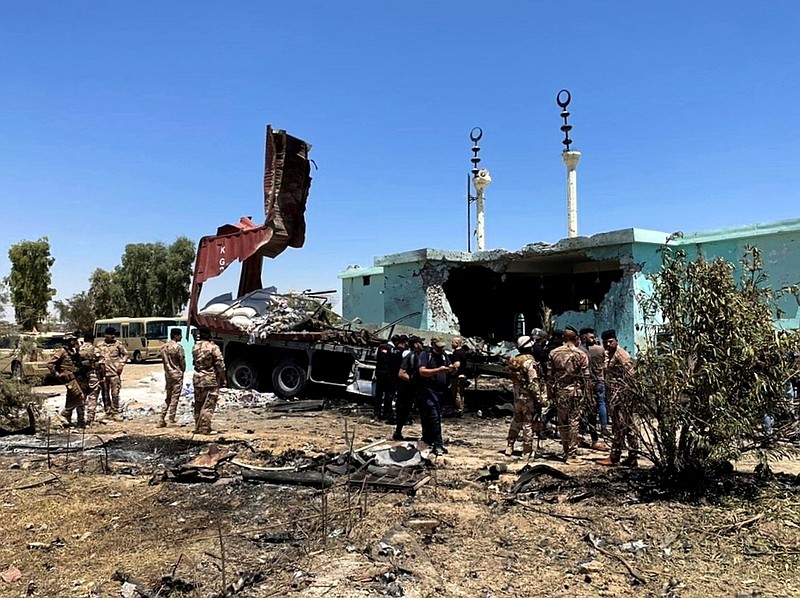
x=288, y=379
x=242, y=375
x=16, y=371
x=137, y=357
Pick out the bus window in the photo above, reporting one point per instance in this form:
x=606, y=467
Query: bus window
x=158, y=330
x=135, y=329
x=100, y=329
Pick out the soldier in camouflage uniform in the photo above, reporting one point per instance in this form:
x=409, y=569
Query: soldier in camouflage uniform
x=619, y=368
x=112, y=357
x=90, y=365
x=64, y=365
x=174, y=359
x=527, y=398
x=209, y=376
x=568, y=377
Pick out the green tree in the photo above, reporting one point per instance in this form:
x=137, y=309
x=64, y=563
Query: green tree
x=3, y=298
x=106, y=295
x=77, y=312
x=29, y=281
x=714, y=367
x=154, y=277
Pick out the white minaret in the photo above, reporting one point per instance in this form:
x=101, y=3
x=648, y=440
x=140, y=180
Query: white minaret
x=571, y=159
x=481, y=181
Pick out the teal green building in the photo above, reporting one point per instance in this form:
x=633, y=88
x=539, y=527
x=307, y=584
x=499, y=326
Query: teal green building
x=595, y=281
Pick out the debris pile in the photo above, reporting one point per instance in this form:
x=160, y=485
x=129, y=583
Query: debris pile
x=264, y=312
x=384, y=465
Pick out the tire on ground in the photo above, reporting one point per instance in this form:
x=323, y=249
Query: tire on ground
x=288, y=379
x=242, y=375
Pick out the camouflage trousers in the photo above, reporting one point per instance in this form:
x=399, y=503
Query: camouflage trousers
x=527, y=419
x=205, y=402
x=457, y=385
x=74, y=402
x=174, y=385
x=92, y=388
x=570, y=405
x=113, y=384
x=623, y=429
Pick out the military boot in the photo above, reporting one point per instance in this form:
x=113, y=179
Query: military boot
x=162, y=423
x=527, y=451
x=509, y=449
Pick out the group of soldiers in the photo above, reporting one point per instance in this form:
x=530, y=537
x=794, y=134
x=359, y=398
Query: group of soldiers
x=89, y=371
x=92, y=371
x=570, y=376
x=208, y=378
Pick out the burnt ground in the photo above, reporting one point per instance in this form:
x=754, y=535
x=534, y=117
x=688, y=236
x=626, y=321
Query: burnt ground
x=72, y=518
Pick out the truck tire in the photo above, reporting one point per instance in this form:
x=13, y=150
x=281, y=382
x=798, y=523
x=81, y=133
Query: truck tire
x=242, y=375
x=288, y=379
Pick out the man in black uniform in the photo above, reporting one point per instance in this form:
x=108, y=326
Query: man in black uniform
x=434, y=368
x=384, y=381
x=406, y=385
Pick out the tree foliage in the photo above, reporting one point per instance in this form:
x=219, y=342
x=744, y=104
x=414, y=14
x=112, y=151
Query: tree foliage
x=154, y=278
x=715, y=366
x=77, y=312
x=3, y=298
x=29, y=281
x=105, y=295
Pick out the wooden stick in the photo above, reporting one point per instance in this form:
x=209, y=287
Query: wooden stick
x=627, y=565
x=557, y=515
x=55, y=478
x=736, y=525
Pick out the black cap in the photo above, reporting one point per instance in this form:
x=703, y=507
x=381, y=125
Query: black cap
x=586, y=331
x=571, y=329
x=110, y=330
x=204, y=333
x=557, y=333
x=607, y=334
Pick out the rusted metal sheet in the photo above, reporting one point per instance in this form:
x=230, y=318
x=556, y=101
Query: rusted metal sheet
x=233, y=242
x=287, y=182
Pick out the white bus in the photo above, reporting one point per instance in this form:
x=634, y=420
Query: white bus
x=142, y=337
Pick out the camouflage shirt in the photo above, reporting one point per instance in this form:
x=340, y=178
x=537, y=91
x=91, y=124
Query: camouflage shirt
x=174, y=359
x=568, y=368
x=619, y=365
x=525, y=376
x=209, y=366
x=112, y=357
x=89, y=356
x=64, y=361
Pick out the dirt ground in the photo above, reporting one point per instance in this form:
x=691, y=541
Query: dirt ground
x=78, y=522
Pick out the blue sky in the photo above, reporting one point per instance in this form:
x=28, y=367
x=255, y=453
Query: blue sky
x=128, y=122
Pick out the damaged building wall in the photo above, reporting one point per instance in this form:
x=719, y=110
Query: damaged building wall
x=362, y=294
x=592, y=281
x=404, y=294
x=437, y=312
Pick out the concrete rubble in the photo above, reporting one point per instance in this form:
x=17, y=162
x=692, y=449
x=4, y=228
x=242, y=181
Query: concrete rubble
x=264, y=312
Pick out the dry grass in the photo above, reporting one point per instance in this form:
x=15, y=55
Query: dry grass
x=89, y=524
